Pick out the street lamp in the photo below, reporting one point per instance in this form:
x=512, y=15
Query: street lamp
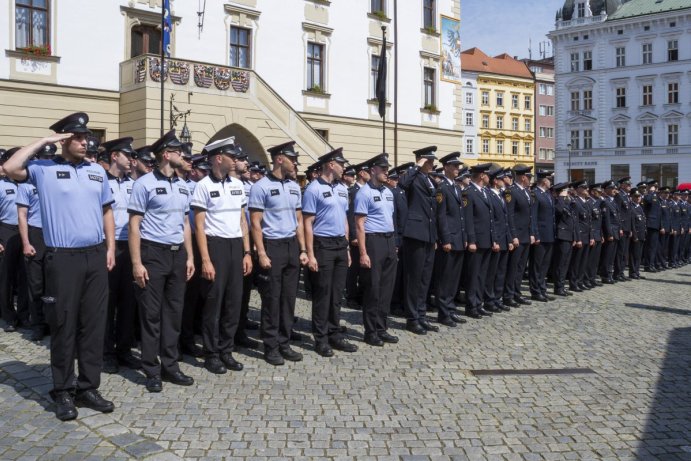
x=185, y=135
x=568, y=147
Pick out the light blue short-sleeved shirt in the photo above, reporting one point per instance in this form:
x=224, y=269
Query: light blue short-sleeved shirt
x=164, y=203
x=8, y=201
x=278, y=200
x=72, y=201
x=378, y=205
x=121, y=188
x=329, y=205
x=248, y=187
x=27, y=197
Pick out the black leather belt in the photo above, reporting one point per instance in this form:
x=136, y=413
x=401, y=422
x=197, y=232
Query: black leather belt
x=163, y=246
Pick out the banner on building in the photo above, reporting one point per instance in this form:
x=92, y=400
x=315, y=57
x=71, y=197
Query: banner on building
x=450, y=49
x=167, y=27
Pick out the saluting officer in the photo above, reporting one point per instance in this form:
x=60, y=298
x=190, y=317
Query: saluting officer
x=518, y=205
x=419, y=237
x=503, y=235
x=544, y=231
x=653, y=214
x=161, y=251
x=223, y=240
x=452, y=241
x=481, y=238
x=276, y=213
x=593, y=263
x=401, y=215
x=34, y=247
x=579, y=256
x=623, y=201
x=611, y=228
x=566, y=225
x=122, y=312
x=375, y=221
x=325, y=207
x=638, y=236
x=75, y=205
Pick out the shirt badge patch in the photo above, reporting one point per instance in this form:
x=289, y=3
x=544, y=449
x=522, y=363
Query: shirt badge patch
x=377, y=199
x=236, y=192
x=184, y=191
x=161, y=191
x=215, y=194
x=95, y=177
x=326, y=194
x=63, y=174
x=275, y=192
x=295, y=192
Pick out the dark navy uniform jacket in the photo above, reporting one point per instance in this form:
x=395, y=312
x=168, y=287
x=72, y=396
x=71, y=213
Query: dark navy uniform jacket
x=543, y=211
x=581, y=212
x=518, y=203
x=639, y=222
x=665, y=215
x=400, y=212
x=624, y=203
x=422, y=206
x=500, y=217
x=450, y=216
x=479, y=224
x=566, y=219
x=653, y=210
x=675, y=216
x=595, y=218
x=610, y=218
x=352, y=190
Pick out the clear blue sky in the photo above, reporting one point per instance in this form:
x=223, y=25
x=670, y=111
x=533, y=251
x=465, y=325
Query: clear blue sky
x=506, y=26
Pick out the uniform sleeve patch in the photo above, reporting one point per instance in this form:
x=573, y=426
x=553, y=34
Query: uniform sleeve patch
x=294, y=192
x=184, y=191
x=440, y=197
x=236, y=192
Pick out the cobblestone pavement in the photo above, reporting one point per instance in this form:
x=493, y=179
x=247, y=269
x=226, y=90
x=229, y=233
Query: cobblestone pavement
x=414, y=400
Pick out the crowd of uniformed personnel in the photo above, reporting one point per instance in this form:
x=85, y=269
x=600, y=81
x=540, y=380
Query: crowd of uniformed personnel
x=109, y=248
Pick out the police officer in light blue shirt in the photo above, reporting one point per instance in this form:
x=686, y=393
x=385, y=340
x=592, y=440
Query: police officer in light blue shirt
x=161, y=252
x=122, y=312
x=325, y=207
x=275, y=205
x=374, y=218
x=34, y=248
x=75, y=205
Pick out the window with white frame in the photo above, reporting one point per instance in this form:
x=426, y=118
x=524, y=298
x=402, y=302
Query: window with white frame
x=485, y=121
x=550, y=90
x=546, y=132
x=542, y=88
x=528, y=125
x=500, y=122
x=468, y=98
x=647, y=53
x=587, y=99
x=575, y=139
x=514, y=148
x=514, y=101
x=485, y=146
x=672, y=50
x=587, y=139
x=514, y=123
x=673, y=93
x=500, y=99
x=575, y=62
x=428, y=14
x=500, y=147
x=620, y=53
x=315, y=67
x=621, y=97
x=588, y=60
x=647, y=135
x=469, y=146
x=575, y=100
x=647, y=95
x=378, y=6
x=373, y=72
x=485, y=98
x=429, y=80
x=621, y=136
x=469, y=119
x=528, y=102
x=673, y=134
x=240, y=55
x=32, y=24
x=527, y=149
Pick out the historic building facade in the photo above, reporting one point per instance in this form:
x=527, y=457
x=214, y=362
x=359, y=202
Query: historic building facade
x=543, y=72
x=623, y=89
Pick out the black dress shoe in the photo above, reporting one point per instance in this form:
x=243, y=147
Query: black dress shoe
x=608, y=281
x=192, y=350
x=634, y=277
x=230, y=362
x=473, y=313
x=415, y=327
x=289, y=354
x=510, y=303
x=273, y=358
x=215, y=366
x=540, y=298
x=178, y=377
x=387, y=337
x=153, y=384
x=343, y=329
x=324, y=350
x=575, y=289
x=94, y=400
x=64, y=407
x=374, y=340
x=503, y=307
x=251, y=325
x=650, y=269
x=428, y=326
x=11, y=328
x=295, y=336
x=522, y=300
x=549, y=298
x=447, y=322
x=246, y=342
x=561, y=292
x=130, y=361
x=484, y=312
x=343, y=345
x=457, y=318
x=110, y=365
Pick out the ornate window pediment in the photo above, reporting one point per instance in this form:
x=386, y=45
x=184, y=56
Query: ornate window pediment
x=672, y=115
x=580, y=83
x=647, y=117
x=620, y=120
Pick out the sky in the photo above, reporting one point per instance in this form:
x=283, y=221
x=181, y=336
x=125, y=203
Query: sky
x=507, y=26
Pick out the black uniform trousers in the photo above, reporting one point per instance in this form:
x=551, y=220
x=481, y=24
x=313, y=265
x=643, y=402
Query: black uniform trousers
x=378, y=281
x=354, y=289
x=75, y=304
x=278, y=288
x=221, y=312
x=247, y=285
x=579, y=262
x=515, y=268
x=327, y=287
x=397, y=296
x=122, y=307
x=160, y=305
x=193, y=303
x=13, y=278
x=540, y=261
x=621, y=260
x=419, y=262
x=652, y=241
x=635, y=257
x=496, y=276
x=450, y=266
x=674, y=249
x=478, y=265
x=34, y=276
x=562, y=259
x=593, y=262
x=609, y=252
x=662, y=247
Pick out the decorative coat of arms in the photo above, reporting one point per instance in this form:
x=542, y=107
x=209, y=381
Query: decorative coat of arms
x=155, y=69
x=140, y=71
x=240, y=80
x=222, y=78
x=203, y=75
x=179, y=72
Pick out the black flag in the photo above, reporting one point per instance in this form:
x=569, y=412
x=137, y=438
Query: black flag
x=381, y=80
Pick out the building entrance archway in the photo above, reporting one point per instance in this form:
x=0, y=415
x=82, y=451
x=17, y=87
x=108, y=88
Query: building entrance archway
x=243, y=137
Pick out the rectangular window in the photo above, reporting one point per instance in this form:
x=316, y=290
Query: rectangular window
x=469, y=146
x=550, y=90
x=500, y=99
x=514, y=124
x=528, y=102
x=550, y=154
x=378, y=6
x=428, y=14
x=575, y=62
x=485, y=121
x=514, y=148
x=587, y=60
x=500, y=147
x=315, y=67
x=240, y=47
x=485, y=98
x=621, y=56
x=469, y=119
x=528, y=125
x=581, y=10
x=647, y=136
x=621, y=137
x=666, y=174
x=673, y=93
x=575, y=100
x=145, y=39
x=647, y=95
x=469, y=98
x=546, y=132
x=485, y=146
x=32, y=24
x=323, y=133
x=542, y=154
x=673, y=135
x=621, y=97
x=527, y=149
x=619, y=171
x=587, y=99
x=647, y=53
x=672, y=50
x=429, y=79
x=374, y=70
x=575, y=140
x=542, y=88
x=500, y=122
x=587, y=139
x=514, y=101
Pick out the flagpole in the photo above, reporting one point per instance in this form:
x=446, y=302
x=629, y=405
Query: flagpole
x=163, y=57
x=383, y=119
x=395, y=82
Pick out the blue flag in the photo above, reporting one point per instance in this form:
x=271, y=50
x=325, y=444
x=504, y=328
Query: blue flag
x=167, y=27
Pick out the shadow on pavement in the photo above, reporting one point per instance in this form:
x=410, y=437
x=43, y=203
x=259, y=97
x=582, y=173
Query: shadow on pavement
x=668, y=310
x=674, y=282
x=667, y=434
x=27, y=382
